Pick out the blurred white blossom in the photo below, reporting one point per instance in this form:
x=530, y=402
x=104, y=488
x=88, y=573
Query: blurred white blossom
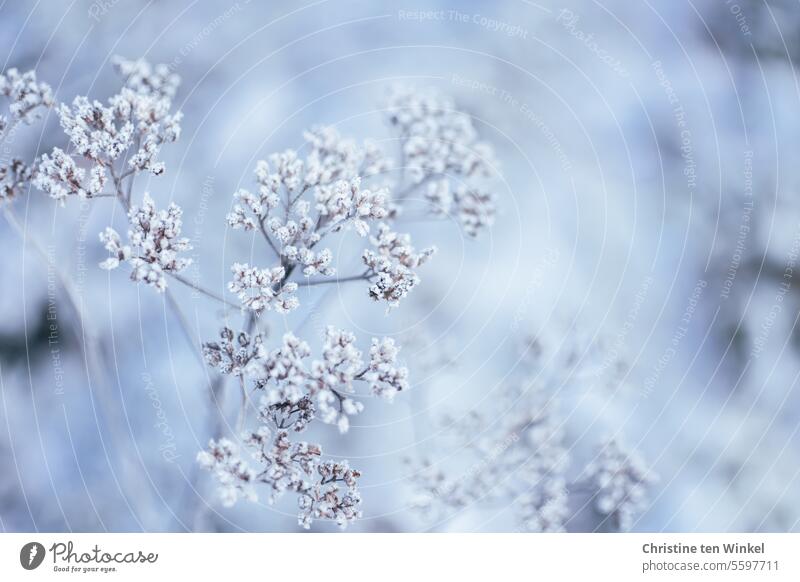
x=234, y=476
x=473, y=207
x=621, y=480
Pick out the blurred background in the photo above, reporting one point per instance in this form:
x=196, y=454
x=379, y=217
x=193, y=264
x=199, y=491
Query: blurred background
x=647, y=205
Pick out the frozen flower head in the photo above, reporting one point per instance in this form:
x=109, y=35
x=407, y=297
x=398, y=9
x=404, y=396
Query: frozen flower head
x=298, y=202
x=14, y=177
x=154, y=244
x=286, y=380
x=132, y=125
x=146, y=79
x=234, y=476
x=325, y=489
x=232, y=355
x=442, y=152
x=391, y=264
x=26, y=95
x=332, y=158
x=345, y=203
x=621, y=481
x=59, y=176
x=437, y=138
x=263, y=289
x=296, y=391
x=334, y=497
x=385, y=377
x=331, y=378
x=474, y=208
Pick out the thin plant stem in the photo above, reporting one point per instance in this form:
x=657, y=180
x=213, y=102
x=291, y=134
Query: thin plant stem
x=313, y=282
x=202, y=290
x=268, y=239
x=184, y=323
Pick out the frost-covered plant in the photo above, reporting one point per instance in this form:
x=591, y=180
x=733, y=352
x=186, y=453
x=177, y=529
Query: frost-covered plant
x=332, y=186
x=299, y=202
x=514, y=449
x=294, y=393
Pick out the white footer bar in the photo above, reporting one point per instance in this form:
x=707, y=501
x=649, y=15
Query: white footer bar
x=378, y=557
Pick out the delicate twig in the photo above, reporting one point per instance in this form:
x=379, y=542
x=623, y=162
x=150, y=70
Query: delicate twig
x=184, y=323
x=312, y=282
x=403, y=194
x=242, y=407
x=268, y=239
x=8, y=130
x=203, y=290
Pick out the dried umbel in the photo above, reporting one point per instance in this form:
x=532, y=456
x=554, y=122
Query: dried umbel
x=391, y=265
x=27, y=96
x=154, y=245
x=120, y=138
x=285, y=376
x=295, y=392
x=325, y=489
x=300, y=203
x=438, y=138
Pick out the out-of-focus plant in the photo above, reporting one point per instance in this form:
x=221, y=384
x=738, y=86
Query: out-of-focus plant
x=512, y=453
